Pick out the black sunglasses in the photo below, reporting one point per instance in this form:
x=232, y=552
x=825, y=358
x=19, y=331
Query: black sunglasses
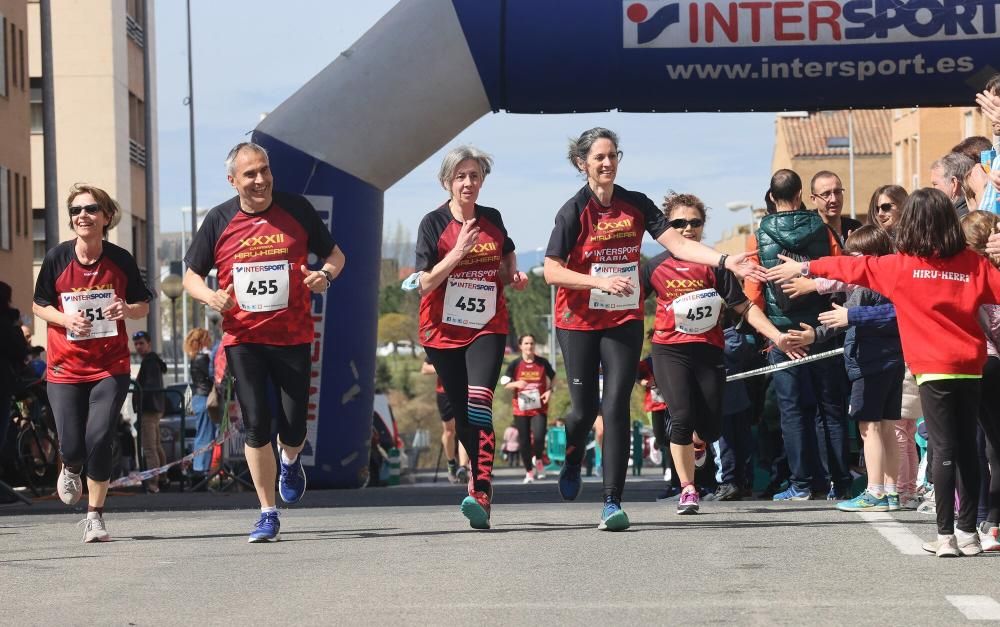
x=91, y=210
x=681, y=223
x=886, y=207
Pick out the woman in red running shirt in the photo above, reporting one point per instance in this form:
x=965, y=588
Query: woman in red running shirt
x=937, y=285
x=86, y=289
x=464, y=258
x=530, y=379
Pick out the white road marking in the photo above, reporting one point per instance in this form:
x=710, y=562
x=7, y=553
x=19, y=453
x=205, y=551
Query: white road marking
x=975, y=607
x=905, y=541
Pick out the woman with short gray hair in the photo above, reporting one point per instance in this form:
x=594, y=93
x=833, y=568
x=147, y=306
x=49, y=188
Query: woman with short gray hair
x=464, y=258
x=593, y=257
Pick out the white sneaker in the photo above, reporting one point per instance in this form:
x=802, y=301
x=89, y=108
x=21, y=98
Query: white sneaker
x=529, y=477
x=700, y=455
x=668, y=476
x=968, y=543
x=945, y=546
x=988, y=537
x=539, y=469
x=94, y=530
x=908, y=502
x=69, y=487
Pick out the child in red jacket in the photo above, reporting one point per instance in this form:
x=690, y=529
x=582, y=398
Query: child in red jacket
x=937, y=285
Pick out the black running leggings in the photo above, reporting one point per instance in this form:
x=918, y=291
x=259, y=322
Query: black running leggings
x=528, y=426
x=989, y=420
x=951, y=407
x=617, y=351
x=469, y=375
x=693, y=377
x=87, y=417
x=287, y=367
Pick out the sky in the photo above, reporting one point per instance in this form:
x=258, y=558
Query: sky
x=251, y=55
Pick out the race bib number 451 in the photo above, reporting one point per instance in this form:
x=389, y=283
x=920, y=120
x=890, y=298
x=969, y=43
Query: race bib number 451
x=600, y=299
x=93, y=304
x=261, y=285
x=469, y=303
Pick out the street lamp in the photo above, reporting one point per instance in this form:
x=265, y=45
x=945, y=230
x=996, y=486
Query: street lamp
x=740, y=205
x=539, y=271
x=172, y=288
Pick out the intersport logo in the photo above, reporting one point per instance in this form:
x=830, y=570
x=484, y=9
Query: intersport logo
x=737, y=23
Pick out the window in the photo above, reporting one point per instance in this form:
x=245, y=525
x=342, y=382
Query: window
x=25, y=205
x=14, y=65
x=37, y=119
x=23, y=69
x=136, y=119
x=4, y=209
x=3, y=55
x=16, y=203
x=139, y=241
x=970, y=127
x=134, y=18
x=38, y=233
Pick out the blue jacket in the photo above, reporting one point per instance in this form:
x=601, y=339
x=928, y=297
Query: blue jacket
x=739, y=351
x=872, y=341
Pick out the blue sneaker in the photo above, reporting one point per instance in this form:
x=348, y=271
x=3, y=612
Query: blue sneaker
x=892, y=500
x=613, y=517
x=292, y=481
x=266, y=529
x=570, y=482
x=864, y=502
x=793, y=494
x=476, y=507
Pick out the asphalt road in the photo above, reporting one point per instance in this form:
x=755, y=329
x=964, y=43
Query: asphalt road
x=405, y=555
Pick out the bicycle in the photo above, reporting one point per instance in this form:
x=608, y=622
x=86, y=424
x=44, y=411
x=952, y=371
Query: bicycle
x=36, y=445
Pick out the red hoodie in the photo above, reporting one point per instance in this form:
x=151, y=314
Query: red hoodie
x=936, y=303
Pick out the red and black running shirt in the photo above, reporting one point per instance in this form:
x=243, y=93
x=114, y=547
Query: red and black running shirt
x=262, y=244
x=64, y=279
x=536, y=374
x=645, y=371
x=478, y=271
x=587, y=233
x=668, y=278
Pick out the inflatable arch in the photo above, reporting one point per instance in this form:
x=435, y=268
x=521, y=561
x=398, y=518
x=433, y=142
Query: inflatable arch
x=430, y=68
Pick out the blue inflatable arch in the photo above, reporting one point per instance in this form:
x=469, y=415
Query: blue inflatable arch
x=430, y=68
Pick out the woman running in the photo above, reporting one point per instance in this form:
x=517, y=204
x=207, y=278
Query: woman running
x=530, y=379
x=464, y=257
x=86, y=289
x=688, y=342
x=937, y=286
x=593, y=257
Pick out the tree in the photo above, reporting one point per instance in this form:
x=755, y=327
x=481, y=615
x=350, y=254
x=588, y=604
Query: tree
x=393, y=327
x=529, y=309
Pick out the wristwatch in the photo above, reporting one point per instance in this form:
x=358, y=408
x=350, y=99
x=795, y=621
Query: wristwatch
x=722, y=261
x=326, y=273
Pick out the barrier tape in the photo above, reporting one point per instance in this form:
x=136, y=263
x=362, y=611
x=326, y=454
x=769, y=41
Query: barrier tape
x=136, y=477
x=784, y=365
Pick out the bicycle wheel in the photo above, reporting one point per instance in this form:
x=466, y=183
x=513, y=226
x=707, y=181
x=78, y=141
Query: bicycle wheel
x=37, y=457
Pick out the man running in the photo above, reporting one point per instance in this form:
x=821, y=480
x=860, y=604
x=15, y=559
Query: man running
x=259, y=241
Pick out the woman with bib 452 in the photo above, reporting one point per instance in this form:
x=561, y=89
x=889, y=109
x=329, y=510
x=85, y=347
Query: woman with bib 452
x=464, y=258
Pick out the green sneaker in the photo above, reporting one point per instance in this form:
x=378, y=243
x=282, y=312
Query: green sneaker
x=864, y=502
x=613, y=517
x=893, y=501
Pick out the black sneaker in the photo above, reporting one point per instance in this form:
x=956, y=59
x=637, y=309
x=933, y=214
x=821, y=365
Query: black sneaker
x=728, y=492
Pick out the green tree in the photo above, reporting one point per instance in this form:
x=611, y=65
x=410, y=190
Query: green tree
x=529, y=310
x=394, y=327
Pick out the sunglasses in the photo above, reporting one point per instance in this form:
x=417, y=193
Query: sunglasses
x=91, y=210
x=886, y=207
x=681, y=223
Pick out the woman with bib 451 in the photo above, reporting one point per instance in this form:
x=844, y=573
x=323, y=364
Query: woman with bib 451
x=593, y=257
x=464, y=258
x=688, y=342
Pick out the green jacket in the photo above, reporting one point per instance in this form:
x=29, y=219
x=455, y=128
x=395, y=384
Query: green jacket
x=802, y=235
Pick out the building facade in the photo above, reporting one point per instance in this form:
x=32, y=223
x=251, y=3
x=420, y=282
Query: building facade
x=922, y=136
x=15, y=155
x=101, y=105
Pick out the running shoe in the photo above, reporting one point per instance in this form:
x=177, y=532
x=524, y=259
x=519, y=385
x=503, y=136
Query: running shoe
x=688, y=503
x=539, y=469
x=945, y=546
x=292, y=481
x=476, y=507
x=699, y=455
x=69, y=486
x=908, y=502
x=529, y=477
x=570, y=482
x=988, y=537
x=94, y=530
x=928, y=506
x=728, y=492
x=453, y=476
x=613, y=517
x=893, y=501
x=266, y=529
x=793, y=494
x=669, y=494
x=462, y=474
x=838, y=494
x=865, y=502
x=968, y=543
x=655, y=456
